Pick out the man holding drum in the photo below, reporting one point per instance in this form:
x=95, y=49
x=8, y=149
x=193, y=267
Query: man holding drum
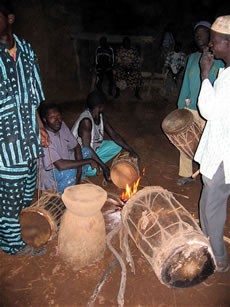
x=190, y=90
x=213, y=151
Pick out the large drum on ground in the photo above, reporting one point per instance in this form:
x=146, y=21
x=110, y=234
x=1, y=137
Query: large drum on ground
x=124, y=170
x=182, y=131
x=168, y=236
x=40, y=222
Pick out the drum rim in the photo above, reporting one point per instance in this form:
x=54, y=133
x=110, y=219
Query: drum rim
x=188, y=123
x=52, y=226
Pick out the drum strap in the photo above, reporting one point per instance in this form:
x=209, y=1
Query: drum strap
x=39, y=175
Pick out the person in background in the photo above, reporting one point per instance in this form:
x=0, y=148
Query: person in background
x=20, y=141
x=173, y=67
x=61, y=165
x=190, y=90
x=168, y=40
x=104, y=64
x=89, y=131
x=213, y=152
x=128, y=69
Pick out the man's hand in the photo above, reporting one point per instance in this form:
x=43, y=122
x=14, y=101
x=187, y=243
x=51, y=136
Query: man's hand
x=93, y=165
x=106, y=172
x=44, y=137
x=206, y=62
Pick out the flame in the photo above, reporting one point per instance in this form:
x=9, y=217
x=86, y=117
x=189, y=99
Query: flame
x=130, y=190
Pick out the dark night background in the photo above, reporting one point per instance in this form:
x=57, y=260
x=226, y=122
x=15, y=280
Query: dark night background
x=50, y=26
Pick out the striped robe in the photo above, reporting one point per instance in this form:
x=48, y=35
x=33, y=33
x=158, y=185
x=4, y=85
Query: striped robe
x=20, y=95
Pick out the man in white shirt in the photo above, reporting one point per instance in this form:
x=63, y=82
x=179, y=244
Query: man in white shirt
x=213, y=152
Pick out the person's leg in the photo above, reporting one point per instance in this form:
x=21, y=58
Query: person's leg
x=185, y=170
x=110, y=80
x=100, y=77
x=213, y=211
x=117, y=94
x=64, y=178
x=107, y=151
x=17, y=186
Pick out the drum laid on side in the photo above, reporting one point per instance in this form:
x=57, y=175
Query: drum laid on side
x=124, y=170
x=40, y=222
x=182, y=131
x=168, y=236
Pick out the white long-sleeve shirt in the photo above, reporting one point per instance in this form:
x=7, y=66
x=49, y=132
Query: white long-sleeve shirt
x=214, y=106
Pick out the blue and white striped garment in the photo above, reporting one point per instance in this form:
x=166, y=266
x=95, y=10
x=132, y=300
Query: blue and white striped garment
x=20, y=95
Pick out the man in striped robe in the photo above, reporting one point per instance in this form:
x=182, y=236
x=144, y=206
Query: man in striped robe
x=20, y=144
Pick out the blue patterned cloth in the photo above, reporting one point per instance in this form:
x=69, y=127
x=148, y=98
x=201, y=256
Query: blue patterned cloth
x=17, y=186
x=107, y=151
x=20, y=146
x=64, y=179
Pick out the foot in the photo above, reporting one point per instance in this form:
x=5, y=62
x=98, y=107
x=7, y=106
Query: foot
x=117, y=93
x=222, y=266
x=137, y=95
x=184, y=180
x=32, y=251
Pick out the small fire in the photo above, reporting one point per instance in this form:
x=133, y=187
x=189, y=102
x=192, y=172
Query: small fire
x=129, y=191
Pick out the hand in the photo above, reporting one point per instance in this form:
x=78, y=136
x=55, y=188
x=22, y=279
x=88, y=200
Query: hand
x=44, y=137
x=206, y=62
x=106, y=172
x=187, y=102
x=133, y=154
x=93, y=165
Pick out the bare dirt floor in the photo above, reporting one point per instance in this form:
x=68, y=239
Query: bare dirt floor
x=48, y=281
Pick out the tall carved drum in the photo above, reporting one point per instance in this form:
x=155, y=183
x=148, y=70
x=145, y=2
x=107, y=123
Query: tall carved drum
x=81, y=239
x=182, y=131
x=168, y=237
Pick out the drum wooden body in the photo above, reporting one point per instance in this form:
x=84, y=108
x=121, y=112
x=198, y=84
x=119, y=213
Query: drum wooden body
x=182, y=131
x=40, y=222
x=168, y=237
x=124, y=170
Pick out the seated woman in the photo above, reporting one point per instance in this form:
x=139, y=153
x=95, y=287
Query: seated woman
x=62, y=162
x=127, y=69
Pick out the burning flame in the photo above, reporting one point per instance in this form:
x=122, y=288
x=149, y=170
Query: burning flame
x=129, y=191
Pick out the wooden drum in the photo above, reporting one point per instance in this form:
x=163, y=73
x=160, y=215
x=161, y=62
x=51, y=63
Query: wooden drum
x=168, y=237
x=40, y=222
x=182, y=131
x=124, y=170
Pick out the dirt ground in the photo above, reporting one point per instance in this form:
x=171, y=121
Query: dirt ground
x=48, y=281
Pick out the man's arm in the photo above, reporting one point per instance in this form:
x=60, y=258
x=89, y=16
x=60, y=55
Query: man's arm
x=116, y=137
x=43, y=133
x=85, y=128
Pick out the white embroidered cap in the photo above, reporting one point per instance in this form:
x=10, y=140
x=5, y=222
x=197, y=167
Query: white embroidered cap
x=222, y=25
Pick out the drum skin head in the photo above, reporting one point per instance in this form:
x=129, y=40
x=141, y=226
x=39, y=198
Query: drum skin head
x=177, y=121
x=35, y=227
x=123, y=173
x=84, y=199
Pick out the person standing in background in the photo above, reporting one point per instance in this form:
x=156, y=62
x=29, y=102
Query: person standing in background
x=190, y=90
x=104, y=65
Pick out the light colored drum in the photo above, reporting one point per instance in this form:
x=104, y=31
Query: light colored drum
x=124, y=170
x=40, y=222
x=168, y=236
x=182, y=131
x=81, y=237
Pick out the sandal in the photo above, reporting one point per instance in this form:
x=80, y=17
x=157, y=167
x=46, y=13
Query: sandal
x=31, y=251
